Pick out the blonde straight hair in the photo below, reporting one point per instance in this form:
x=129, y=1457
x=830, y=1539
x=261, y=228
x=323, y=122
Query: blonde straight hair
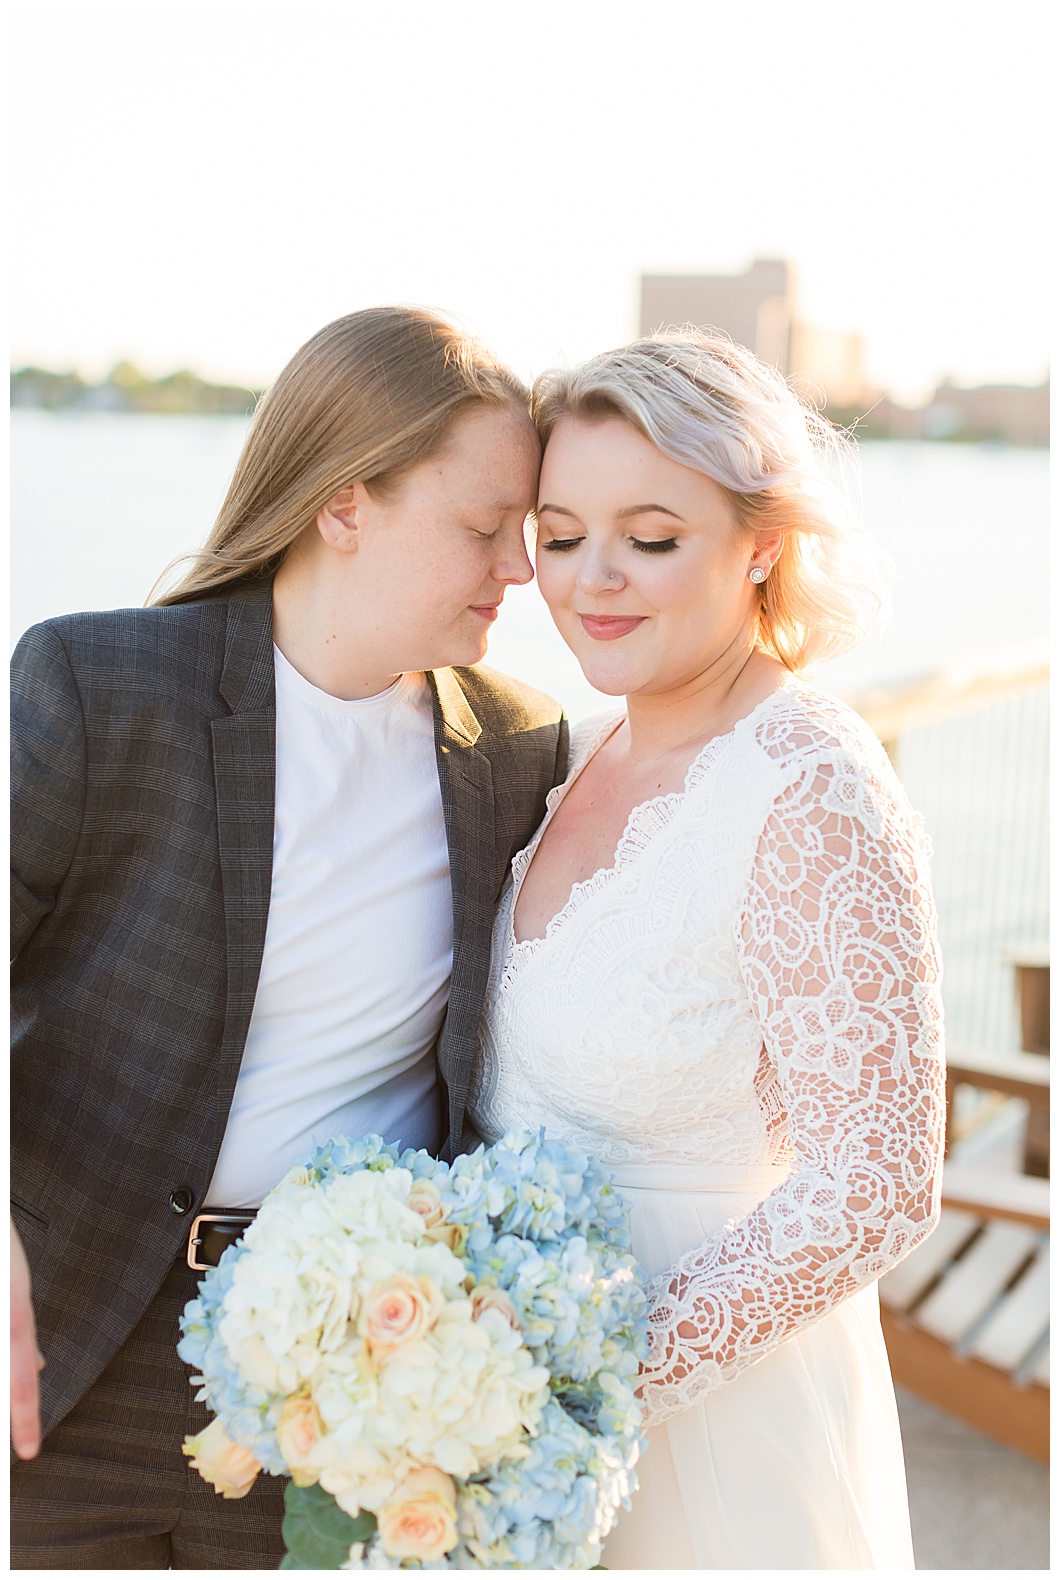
x=716, y=408
x=368, y=397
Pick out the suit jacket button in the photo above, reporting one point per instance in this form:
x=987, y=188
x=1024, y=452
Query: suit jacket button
x=181, y=1200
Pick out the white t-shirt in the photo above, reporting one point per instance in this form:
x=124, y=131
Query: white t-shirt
x=359, y=943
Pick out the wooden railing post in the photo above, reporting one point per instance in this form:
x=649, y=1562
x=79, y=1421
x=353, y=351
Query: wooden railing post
x=1032, y=995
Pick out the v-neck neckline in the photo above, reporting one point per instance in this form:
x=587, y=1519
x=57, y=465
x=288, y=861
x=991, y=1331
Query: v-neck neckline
x=664, y=805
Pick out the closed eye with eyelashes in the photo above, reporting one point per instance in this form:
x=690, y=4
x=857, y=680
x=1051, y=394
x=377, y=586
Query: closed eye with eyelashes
x=646, y=546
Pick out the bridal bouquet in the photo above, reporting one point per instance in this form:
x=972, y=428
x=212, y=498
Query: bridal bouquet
x=441, y=1357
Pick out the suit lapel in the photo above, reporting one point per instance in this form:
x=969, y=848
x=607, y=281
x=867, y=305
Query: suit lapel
x=244, y=756
x=466, y=780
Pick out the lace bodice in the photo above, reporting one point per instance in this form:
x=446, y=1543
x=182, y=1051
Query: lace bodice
x=755, y=980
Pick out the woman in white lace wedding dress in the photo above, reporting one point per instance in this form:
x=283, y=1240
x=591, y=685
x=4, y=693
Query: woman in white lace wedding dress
x=737, y=1009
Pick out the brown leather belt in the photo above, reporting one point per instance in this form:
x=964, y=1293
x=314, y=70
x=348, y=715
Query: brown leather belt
x=212, y=1233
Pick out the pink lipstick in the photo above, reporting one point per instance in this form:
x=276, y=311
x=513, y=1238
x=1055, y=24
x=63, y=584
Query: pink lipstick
x=605, y=628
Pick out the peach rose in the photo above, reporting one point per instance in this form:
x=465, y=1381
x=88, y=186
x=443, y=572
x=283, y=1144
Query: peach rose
x=222, y=1464
x=454, y=1235
x=424, y=1199
x=297, y=1433
x=419, y=1518
x=400, y=1309
x=484, y=1297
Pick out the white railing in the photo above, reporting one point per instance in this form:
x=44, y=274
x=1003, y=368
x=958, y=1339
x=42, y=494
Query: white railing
x=971, y=747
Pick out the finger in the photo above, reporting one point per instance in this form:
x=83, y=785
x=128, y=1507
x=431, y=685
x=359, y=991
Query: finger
x=25, y=1396
x=25, y=1419
x=26, y=1357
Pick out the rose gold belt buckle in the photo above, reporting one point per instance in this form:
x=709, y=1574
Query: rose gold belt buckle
x=242, y=1219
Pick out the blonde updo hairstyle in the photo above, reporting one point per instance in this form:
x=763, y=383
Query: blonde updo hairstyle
x=366, y=399
x=714, y=407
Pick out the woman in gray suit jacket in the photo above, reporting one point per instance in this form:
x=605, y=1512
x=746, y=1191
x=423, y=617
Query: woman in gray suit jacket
x=259, y=829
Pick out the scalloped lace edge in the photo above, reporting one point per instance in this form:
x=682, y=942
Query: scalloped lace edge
x=645, y=821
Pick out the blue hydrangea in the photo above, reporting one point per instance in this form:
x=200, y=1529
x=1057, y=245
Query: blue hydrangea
x=249, y=1415
x=541, y=1189
x=545, y=1511
x=342, y=1156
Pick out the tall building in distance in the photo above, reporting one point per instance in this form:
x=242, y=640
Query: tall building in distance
x=759, y=309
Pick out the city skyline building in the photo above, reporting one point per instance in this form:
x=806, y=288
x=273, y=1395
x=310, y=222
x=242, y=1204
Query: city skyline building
x=760, y=309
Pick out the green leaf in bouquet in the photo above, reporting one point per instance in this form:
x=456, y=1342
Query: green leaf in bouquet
x=317, y=1533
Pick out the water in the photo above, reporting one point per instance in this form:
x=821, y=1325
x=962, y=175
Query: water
x=103, y=501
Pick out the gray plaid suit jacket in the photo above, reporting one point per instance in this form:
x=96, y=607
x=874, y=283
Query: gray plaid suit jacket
x=143, y=792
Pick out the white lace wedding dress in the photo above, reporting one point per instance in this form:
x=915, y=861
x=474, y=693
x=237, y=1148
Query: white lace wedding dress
x=741, y=1018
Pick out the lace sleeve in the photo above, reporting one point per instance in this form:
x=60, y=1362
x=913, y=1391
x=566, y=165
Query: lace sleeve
x=838, y=953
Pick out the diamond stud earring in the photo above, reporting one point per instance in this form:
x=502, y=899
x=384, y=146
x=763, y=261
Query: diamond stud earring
x=757, y=575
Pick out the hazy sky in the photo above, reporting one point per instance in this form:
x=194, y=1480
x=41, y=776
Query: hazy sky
x=207, y=184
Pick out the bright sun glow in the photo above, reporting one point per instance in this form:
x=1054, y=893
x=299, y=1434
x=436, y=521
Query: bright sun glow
x=206, y=185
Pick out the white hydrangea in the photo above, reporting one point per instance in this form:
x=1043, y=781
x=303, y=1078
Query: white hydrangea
x=348, y=1296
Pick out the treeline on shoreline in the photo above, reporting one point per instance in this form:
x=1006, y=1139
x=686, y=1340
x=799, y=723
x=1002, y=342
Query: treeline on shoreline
x=992, y=414
x=125, y=388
